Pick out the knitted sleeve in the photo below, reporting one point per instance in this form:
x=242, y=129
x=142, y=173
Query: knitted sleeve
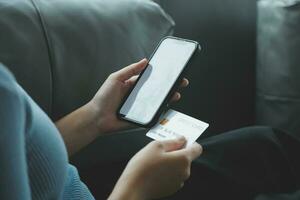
x=14, y=180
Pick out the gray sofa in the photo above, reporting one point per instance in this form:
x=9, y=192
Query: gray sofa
x=222, y=88
x=61, y=51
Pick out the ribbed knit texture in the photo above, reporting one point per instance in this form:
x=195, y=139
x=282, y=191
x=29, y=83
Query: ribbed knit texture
x=33, y=157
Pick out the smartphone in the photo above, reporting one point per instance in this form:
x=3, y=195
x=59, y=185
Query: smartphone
x=154, y=87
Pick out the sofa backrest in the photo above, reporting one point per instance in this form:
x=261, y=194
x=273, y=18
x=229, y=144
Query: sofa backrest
x=62, y=51
x=23, y=49
x=222, y=89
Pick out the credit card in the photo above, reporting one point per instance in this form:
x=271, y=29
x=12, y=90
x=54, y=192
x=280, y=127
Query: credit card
x=174, y=124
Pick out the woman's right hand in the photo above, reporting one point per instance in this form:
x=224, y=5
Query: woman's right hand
x=158, y=170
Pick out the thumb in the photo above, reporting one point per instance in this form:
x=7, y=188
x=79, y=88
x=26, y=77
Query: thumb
x=173, y=145
x=131, y=70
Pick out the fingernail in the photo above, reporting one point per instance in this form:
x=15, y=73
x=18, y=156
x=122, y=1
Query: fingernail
x=199, y=147
x=181, y=139
x=187, y=82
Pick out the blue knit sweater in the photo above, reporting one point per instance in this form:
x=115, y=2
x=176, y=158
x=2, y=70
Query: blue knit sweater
x=33, y=157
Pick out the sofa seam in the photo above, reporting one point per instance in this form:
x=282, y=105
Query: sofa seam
x=278, y=97
x=50, y=54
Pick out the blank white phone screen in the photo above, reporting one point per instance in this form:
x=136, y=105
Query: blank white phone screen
x=160, y=75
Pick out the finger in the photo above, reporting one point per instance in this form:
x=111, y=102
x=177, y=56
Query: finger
x=132, y=80
x=131, y=70
x=184, y=83
x=175, y=97
x=172, y=145
x=192, y=152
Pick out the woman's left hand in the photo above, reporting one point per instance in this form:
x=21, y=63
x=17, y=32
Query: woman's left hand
x=109, y=97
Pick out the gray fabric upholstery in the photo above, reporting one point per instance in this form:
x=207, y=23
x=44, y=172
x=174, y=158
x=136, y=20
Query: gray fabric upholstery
x=278, y=65
x=62, y=51
x=92, y=38
x=23, y=49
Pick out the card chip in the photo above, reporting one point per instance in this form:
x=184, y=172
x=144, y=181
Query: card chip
x=164, y=121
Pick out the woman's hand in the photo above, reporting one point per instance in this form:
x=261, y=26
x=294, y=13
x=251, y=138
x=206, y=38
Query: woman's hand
x=109, y=97
x=99, y=116
x=158, y=170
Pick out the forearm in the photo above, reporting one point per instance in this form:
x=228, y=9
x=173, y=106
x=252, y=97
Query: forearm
x=116, y=195
x=99, y=115
x=79, y=128
x=125, y=190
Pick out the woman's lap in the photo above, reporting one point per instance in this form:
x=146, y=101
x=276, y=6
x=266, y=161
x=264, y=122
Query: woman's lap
x=238, y=165
x=243, y=163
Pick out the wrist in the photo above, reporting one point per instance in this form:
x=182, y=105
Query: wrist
x=97, y=118
x=126, y=190
x=79, y=128
x=116, y=195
